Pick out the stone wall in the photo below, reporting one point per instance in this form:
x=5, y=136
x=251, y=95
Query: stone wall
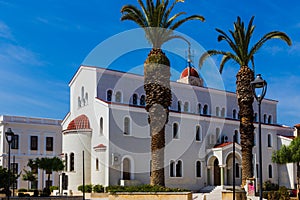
x=152, y=196
x=46, y=198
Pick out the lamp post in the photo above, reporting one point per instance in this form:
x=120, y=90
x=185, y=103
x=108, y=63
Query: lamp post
x=259, y=85
x=9, y=138
x=233, y=165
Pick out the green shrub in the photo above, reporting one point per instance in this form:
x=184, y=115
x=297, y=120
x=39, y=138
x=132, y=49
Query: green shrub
x=87, y=188
x=269, y=186
x=22, y=190
x=281, y=194
x=98, y=189
x=53, y=188
x=142, y=188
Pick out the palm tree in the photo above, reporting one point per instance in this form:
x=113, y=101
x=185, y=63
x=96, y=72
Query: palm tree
x=158, y=25
x=242, y=54
x=29, y=176
x=49, y=165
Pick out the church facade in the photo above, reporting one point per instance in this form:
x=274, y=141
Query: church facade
x=106, y=133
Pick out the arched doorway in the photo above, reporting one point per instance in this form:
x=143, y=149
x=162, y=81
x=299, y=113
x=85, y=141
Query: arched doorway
x=230, y=173
x=217, y=172
x=126, y=169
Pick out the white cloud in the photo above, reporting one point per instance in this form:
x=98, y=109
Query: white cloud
x=5, y=31
x=14, y=53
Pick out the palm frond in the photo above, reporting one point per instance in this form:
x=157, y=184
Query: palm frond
x=157, y=16
x=180, y=22
x=209, y=53
x=226, y=58
x=267, y=37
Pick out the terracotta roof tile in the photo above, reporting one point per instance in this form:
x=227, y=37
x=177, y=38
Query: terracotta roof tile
x=193, y=72
x=80, y=122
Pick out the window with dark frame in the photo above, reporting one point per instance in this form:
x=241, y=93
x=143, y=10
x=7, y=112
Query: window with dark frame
x=172, y=165
x=198, y=169
x=179, y=169
x=49, y=143
x=72, y=159
x=15, y=142
x=33, y=142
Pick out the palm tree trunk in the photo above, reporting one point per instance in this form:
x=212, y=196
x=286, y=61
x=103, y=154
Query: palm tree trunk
x=245, y=101
x=158, y=99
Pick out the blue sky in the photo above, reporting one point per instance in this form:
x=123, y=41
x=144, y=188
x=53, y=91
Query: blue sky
x=42, y=44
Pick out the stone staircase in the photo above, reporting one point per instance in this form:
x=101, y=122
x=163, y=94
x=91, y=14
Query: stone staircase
x=212, y=192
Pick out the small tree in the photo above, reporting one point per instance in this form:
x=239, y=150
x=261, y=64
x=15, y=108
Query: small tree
x=49, y=165
x=289, y=154
x=29, y=176
x=4, y=176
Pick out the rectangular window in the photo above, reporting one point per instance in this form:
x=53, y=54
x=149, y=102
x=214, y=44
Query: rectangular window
x=34, y=184
x=14, y=168
x=49, y=143
x=33, y=142
x=15, y=142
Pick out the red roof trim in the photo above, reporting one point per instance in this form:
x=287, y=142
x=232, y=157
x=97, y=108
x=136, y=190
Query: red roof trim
x=100, y=146
x=222, y=145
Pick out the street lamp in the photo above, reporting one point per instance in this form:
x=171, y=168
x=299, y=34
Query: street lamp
x=9, y=138
x=259, y=85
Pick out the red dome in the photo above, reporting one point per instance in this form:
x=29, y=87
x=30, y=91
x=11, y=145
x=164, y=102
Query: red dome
x=193, y=72
x=80, y=122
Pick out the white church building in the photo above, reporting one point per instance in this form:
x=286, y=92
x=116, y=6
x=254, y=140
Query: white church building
x=108, y=122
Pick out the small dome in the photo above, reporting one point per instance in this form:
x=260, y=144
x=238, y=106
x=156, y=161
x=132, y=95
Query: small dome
x=193, y=72
x=80, y=122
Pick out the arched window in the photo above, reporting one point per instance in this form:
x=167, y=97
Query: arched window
x=142, y=100
x=108, y=95
x=97, y=164
x=270, y=119
x=126, y=126
x=72, y=162
x=101, y=125
x=217, y=111
x=134, y=99
x=179, y=106
x=150, y=167
x=255, y=117
x=265, y=118
x=198, y=169
x=237, y=170
x=172, y=166
x=82, y=92
x=175, y=131
x=234, y=114
x=269, y=140
x=79, y=102
x=205, y=110
x=270, y=171
x=66, y=162
x=198, y=134
x=186, y=107
x=118, y=97
x=86, y=98
x=179, y=169
x=199, y=108
x=238, y=137
x=223, y=112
